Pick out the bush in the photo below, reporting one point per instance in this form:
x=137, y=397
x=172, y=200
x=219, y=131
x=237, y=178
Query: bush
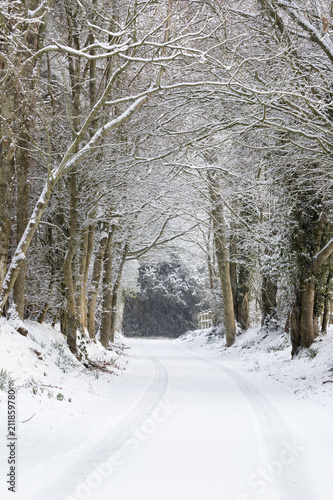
x=6, y=381
x=275, y=348
x=64, y=361
x=311, y=353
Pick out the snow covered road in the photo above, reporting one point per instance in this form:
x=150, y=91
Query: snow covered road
x=182, y=425
x=224, y=440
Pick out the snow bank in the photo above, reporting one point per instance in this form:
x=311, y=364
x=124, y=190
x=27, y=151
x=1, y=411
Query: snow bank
x=268, y=352
x=59, y=400
x=42, y=365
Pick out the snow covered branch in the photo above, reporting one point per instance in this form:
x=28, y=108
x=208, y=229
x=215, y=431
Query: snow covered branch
x=66, y=166
x=295, y=11
x=322, y=256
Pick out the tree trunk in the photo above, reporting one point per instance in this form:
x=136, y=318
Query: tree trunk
x=22, y=169
x=6, y=199
x=306, y=314
x=233, y=274
x=211, y=274
x=7, y=148
x=74, y=67
x=229, y=316
x=268, y=301
x=326, y=313
x=243, y=311
x=295, y=330
x=68, y=268
x=107, y=293
x=42, y=314
x=96, y=277
x=243, y=294
x=55, y=317
x=222, y=257
x=89, y=233
x=85, y=255
x=115, y=291
x=25, y=109
x=316, y=320
x=302, y=318
x=63, y=320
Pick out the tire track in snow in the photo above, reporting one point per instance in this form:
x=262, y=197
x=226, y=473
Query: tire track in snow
x=63, y=487
x=291, y=482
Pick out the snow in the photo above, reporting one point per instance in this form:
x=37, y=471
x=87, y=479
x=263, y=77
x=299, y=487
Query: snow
x=186, y=419
x=103, y=235
x=14, y=319
x=269, y=353
x=57, y=394
x=325, y=42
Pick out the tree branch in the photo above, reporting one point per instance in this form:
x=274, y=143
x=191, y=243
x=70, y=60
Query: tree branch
x=322, y=256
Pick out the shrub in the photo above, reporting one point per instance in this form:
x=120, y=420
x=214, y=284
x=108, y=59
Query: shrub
x=275, y=348
x=311, y=353
x=6, y=381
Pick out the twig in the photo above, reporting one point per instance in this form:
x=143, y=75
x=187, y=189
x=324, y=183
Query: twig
x=24, y=421
x=52, y=386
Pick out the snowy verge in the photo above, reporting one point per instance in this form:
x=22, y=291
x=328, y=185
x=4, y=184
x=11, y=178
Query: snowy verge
x=62, y=405
x=41, y=362
x=268, y=352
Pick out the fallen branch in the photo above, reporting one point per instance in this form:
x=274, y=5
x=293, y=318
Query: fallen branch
x=92, y=365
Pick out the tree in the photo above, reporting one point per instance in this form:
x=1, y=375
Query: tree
x=222, y=257
x=135, y=37
x=166, y=303
x=23, y=27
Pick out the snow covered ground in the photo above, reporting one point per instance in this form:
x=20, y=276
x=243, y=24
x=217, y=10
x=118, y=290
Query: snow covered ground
x=183, y=420
x=308, y=376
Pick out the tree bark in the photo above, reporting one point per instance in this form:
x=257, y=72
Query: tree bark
x=302, y=318
x=326, y=312
x=306, y=316
x=211, y=274
x=107, y=294
x=42, y=314
x=71, y=331
x=22, y=171
x=222, y=258
x=85, y=256
x=96, y=277
x=268, y=301
x=295, y=330
x=233, y=273
x=74, y=67
x=115, y=292
x=32, y=41
x=243, y=311
x=243, y=293
x=7, y=148
x=326, y=315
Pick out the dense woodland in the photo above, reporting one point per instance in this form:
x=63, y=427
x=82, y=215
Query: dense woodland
x=202, y=129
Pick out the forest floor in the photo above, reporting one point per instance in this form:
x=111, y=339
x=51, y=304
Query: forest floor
x=178, y=419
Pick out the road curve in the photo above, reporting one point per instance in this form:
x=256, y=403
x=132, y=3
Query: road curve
x=195, y=430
